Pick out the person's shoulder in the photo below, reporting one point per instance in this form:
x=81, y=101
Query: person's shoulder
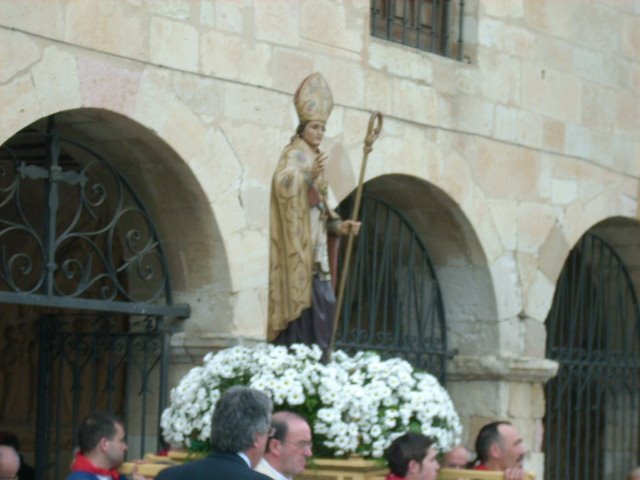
x=81, y=476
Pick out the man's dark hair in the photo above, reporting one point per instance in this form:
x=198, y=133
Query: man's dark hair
x=280, y=423
x=410, y=446
x=239, y=414
x=487, y=436
x=96, y=426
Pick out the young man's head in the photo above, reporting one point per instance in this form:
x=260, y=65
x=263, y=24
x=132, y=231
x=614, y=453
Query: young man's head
x=290, y=445
x=9, y=463
x=499, y=446
x=101, y=440
x=412, y=456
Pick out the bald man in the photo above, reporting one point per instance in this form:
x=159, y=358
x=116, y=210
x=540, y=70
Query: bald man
x=9, y=463
x=288, y=449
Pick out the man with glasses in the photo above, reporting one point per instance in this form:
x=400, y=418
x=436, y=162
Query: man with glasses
x=288, y=448
x=9, y=463
x=239, y=431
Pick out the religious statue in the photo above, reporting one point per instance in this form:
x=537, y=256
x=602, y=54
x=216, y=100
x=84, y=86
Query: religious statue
x=302, y=265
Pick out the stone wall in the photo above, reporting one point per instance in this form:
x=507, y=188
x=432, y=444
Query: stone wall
x=528, y=144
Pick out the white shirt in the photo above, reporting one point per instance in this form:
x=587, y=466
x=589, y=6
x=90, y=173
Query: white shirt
x=244, y=456
x=266, y=468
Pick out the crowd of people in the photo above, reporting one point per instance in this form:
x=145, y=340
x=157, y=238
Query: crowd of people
x=250, y=443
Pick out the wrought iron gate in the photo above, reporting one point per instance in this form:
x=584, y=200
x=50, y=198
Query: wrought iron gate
x=593, y=328
x=75, y=237
x=393, y=303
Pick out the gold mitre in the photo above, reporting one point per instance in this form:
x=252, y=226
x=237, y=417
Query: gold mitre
x=313, y=99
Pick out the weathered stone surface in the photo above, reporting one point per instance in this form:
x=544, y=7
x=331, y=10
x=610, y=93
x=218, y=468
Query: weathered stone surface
x=401, y=61
x=326, y=23
x=56, y=80
x=119, y=93
x=17, y=53
x=277, y=21
x=107, y=27
x=174, y=44
x=35, y=16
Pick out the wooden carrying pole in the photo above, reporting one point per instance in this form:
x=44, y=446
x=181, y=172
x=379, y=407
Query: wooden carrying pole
x=375, y=126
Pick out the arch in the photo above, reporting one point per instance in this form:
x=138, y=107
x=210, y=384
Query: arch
x=167, y=191
x=456, y=253
x=593, y=332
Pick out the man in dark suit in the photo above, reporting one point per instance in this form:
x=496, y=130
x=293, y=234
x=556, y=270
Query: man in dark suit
x=240, y=428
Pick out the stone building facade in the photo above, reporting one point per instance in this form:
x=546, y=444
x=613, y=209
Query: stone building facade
x=503, y=160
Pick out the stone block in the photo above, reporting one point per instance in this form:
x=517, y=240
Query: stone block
x=175, y=9
x=553, y=253
x=627, y=113
x=480, y=399
x=552, y=18
x=256, y=106
x=553, y=134
x=248, y=253
x=554, y=53
x=530, y=129
x=468, y=293
x=378, y=91
x=284, y=61
x=257, y=149
x=256, y=202
x=249, y=314
x=539, y=297
x=506, y=172
x=232, y=57
x=491, y=33
x=520, y=400
x=277, y=21
x=203, y=96
x=506, y=126
x=535, y=339
x=345, y=77
x=599, y=67
x=503, y=8
x=598, y=27
x=230, y=215
x=504, y=274
x=112, y=27
x=183, y=130
x=631, y=37
x=118, y=94
x=174, y=44
x=414, y=102
x=500, y=77
x=154, y=94
x=46, y=19
x=550, y=92
x=504, y=215
x=17, y=53
x=472, y=114
x=19, y=97
x=56, y=80
x=511, y=337
x=598, y=107
x=327, y=23
x=534, y=223
x=527, y=267
x=520, y=42
x=564, y=191
x=401, y=61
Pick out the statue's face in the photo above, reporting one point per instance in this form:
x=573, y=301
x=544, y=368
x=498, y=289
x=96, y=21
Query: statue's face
x=313, y=133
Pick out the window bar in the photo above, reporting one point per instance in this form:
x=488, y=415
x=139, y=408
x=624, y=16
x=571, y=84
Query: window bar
x=391, y=13
x=445, y=33
x=434, y=25
x=460, y=28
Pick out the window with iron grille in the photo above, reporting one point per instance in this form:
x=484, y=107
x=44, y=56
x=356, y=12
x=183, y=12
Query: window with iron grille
x=422, y=24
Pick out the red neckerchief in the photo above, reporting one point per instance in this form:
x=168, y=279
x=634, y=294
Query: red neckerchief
x=480, y=466
x=391, y=476
x=83, y=464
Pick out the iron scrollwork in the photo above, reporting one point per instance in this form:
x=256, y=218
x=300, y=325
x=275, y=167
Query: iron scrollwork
x=98, y=240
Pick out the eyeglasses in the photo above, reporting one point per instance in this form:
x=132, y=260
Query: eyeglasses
x=270, y=433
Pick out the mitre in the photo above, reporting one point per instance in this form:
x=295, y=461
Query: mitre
x=313, y=99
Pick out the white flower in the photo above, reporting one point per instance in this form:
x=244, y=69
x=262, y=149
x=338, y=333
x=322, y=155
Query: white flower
x=358, y=404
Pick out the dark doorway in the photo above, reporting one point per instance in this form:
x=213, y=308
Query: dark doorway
x=591, y=425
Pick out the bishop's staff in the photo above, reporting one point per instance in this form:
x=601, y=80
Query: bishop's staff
x=375, y=126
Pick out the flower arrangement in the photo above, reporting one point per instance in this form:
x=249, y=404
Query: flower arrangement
x=355, y=404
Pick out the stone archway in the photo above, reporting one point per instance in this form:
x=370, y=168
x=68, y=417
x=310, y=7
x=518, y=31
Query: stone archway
x=186, y=232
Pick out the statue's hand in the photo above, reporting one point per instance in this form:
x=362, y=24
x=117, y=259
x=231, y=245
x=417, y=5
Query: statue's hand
x=318, y=165
x=349, y=226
